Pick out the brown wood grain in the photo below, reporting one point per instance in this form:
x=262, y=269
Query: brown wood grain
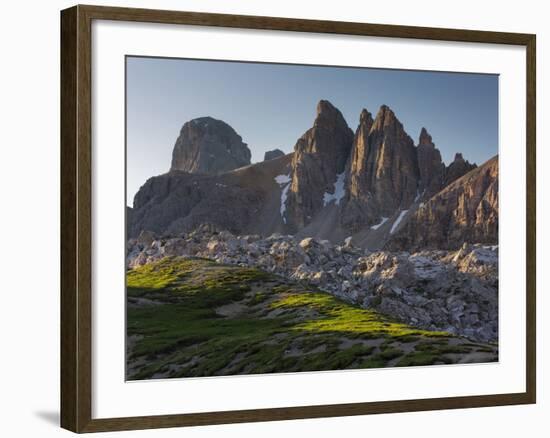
x=531, y=218
x=76, y=222
x=69, y=331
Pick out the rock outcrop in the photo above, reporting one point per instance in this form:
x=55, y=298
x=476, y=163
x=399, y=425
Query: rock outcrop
x=456, y=169
x=430, y=166
x=358, y=210
x=243, y=200
x=394, y=175
x=271, y=155
x=209, y=146
x=464, y=211
x=318, y=165
x=454, y=291
x=384, y=174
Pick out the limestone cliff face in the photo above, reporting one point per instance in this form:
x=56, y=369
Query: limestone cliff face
x=383, y=171
x=320, y=157
x=464, y=211
x=359, y=208
x=431, y=168
x=392, y=174
x=209, y=146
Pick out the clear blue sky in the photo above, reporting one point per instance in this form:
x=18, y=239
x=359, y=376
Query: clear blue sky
x=272, y=105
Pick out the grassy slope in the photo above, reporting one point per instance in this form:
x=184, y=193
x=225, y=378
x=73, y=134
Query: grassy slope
x=193, y=317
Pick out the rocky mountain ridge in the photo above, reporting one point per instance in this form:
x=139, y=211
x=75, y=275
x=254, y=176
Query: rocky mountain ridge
x=368, y=184
x=466, y=210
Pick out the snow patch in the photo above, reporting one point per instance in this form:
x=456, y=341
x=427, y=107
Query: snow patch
x=339, y=191
x=384, y=220
x=282, y=179
x=398, y=220
x=419, y=195
x=284, y=194
x=284, y=183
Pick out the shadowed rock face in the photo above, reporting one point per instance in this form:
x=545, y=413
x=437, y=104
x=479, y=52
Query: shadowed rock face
x=320, y=155
x=430, y=166
x=271, y=155
x=209, y=146
x=392, y=175
x=464, y=211
x=245, y=199
x=456, y=169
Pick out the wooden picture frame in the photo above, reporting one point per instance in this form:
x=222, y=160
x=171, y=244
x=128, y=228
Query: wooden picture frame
x=76, y=217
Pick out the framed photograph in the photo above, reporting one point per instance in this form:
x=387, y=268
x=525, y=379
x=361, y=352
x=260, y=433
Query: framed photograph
x=269, y=218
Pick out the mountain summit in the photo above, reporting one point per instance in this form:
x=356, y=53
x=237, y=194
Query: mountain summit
x=210, y=146
x=430, y=165
x=320, y=157
x=390, y=171
x=374, y=185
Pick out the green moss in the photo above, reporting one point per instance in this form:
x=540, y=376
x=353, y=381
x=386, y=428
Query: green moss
x=342, y=317
x=390, y=353
x=258, y=298
x=439, y=348
x=155, y=276
x=422, y=358
x=272, y=325
x=406, y=339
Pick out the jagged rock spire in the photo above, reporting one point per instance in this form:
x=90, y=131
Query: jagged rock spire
x=425, y=138
x=430, y=166
x=320, y=156
x=383, y=172
x=457, y=169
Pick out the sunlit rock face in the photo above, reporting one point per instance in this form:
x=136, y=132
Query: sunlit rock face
x=464, y=211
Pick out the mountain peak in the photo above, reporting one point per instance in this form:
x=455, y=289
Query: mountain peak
x=205, y=119
x=320, y=157
x=324, y=106
x=207, y=145
x=383, y=170
x=430, y=165
x=458, y=168
x=386, y=117
x=329, y=117
x=365, y=117
x=425, y=138
x=271, y=155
